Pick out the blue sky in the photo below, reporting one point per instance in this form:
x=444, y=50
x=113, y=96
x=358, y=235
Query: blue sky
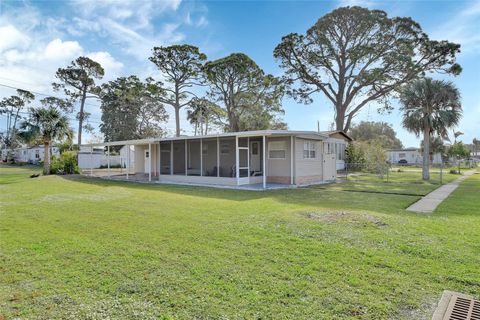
x=37, y=37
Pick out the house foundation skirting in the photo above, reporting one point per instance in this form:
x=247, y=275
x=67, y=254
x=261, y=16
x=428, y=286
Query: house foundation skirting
x=278, y=179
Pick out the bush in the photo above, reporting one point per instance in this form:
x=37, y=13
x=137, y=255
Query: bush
x=453, y=171
x=65, y=164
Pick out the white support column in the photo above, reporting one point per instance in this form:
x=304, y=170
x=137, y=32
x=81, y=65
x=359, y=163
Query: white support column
x=128, y=160
x=201, y=157
x=171, y=157
x=218, y=157
x=292, y=152
x=237, y=160
x=91, y=161
x=108, y=160
x=159, y=160
x=248, y=158
x=150, y=162
x=186, y=157
x=264, y=169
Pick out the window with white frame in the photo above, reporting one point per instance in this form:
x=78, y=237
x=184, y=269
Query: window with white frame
x=309, y=149
x=276, y=150
x=340, y=151
x=37, y=154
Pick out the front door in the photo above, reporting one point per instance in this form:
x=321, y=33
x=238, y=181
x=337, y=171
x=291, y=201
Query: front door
x=147, y=161
x=255, y=156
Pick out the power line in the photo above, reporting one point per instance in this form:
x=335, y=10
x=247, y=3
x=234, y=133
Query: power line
x=40, y=94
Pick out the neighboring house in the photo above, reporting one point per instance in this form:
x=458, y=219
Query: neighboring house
x=32, y=155
x=410, y=156
x=124, y=155
x=337, y=143
x=94, y=158
x=233, y=159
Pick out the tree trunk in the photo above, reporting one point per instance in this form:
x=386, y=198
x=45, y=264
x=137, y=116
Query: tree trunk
x=80, y=117
x=46, y=158
x=340, y=119
x=177, y=120
x=426, y=153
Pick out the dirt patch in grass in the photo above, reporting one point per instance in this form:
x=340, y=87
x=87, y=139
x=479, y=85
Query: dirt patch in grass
x=345, y=216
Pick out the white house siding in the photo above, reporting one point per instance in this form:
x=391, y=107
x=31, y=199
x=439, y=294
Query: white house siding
x=96, y=160
x=308, y=171
x=124, y=156
x=138, y=164
x=33, y=154
x=411, y=156
x=278, y=170
x=338, y=146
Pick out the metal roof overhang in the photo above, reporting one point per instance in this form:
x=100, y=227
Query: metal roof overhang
x=278, y=133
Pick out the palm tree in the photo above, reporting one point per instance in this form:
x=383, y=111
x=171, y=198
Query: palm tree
x=436, y=146
x=46, y=125
x=430, y=107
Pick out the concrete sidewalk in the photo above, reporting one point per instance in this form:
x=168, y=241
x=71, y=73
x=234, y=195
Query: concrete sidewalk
x=431, y=201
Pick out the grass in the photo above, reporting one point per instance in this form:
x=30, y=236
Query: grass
x=73, y=247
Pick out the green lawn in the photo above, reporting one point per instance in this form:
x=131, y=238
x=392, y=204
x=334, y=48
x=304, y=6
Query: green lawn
x=79, y=248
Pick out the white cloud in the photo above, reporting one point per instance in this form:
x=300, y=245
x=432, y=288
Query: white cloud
x=58, y=50
x=11, y=37
x=111, y=66
x=129, y=24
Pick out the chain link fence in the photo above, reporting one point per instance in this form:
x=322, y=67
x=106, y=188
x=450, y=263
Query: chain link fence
x=387, y=172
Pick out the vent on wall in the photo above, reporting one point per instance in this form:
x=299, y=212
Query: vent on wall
x=461, y=308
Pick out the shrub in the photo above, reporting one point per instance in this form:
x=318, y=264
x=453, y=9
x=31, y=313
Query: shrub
x=453, y=171
x=65, y=164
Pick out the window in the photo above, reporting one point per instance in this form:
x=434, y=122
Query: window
x=309, y=149
x=276, y=150
x=37, y=154
x=401, y=155
x=340, y=151
x=147, y=154
x=204, y=149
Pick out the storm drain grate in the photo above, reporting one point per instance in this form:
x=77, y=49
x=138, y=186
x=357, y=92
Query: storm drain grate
x=461, y=308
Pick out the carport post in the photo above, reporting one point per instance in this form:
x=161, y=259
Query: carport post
x=201, y=157
x=108, y=160
x=264, y=163
x=218, y=156
x=91, y=161
x=237, y=160
x=149, y=162
x=291, y=158
x=128, y=160
x=159, y=160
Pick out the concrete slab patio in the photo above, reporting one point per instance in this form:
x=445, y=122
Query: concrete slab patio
x=430, y=202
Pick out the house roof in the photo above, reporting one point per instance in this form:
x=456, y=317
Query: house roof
x=329, y=133
x=241, y=134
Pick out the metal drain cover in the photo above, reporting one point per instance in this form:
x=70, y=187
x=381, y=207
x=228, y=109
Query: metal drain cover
x=457, y=306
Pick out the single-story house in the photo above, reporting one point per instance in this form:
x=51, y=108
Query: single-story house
x=279, y=157
x=411, y=156
x=32, y=155
x=337, y=143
